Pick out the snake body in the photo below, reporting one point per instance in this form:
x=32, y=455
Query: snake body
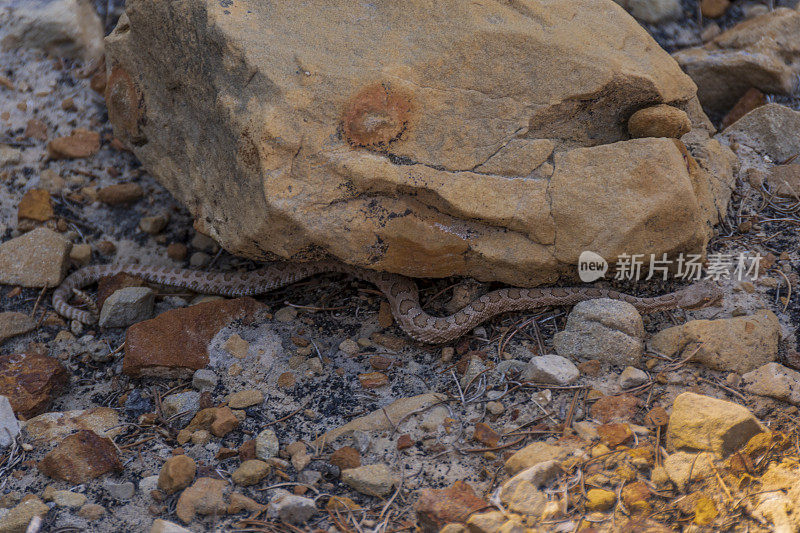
x=401, y=292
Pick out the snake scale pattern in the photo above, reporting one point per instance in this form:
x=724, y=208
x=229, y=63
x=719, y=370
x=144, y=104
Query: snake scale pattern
x=401, y=292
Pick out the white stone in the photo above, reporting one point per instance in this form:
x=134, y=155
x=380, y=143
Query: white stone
x=162, y=526
x=291, y=508
x=9, y=425
x=9, y=155
x=551, y=369
x=205, y=380
x=62, y=28
x=267, y=445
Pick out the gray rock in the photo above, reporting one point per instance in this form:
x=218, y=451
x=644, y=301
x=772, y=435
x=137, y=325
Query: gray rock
x=148, y=484
x=153, y=225
x=774, y=380
x=187, y=403
x=205, y=379
x=119, y=491
x=199, y=259
x=286, y=314
x=267, y=444
x=551, y=369
x=607, y=330
x=66, y=498
x=291, y=508
x=762, y=54
x=127, y=306
x=655, y=11
x=632, y=377
x=62, y=28
x=372, y=480
x=9, y=425
x=37, y=259
x=204, y=243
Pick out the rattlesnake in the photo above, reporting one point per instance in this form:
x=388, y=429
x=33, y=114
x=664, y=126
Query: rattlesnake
x=401, y=292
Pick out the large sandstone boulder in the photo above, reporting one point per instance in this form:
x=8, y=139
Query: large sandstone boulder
x=428, y=138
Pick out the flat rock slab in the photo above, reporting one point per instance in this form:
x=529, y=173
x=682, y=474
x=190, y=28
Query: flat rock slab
x=175, y=343
x=739, y=344
x=481, y=139
x=37, y=259
x=13, y=324
x=80, y=457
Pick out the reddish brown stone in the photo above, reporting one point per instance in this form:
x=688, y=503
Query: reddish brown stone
x=437, y=507
x=219, y=420
x=225, y=453
x=81, y=143
x=177, y=251
x=380, y=362
x=373, y=380
x=286, y=380
x=175, y=343
x=30, y=382
x=614, y=434
x=657, y=416
x=385, y=317
x=121, y=193
x=592, y=367
x=486, y=435
x=80, y=457
x=36, y=129
x=346, y=457
x=752, y=99
x=107, y=286
x=611, y=408
x=635, y=495
x=35, y=205
x=404, y=441
x=247, y=450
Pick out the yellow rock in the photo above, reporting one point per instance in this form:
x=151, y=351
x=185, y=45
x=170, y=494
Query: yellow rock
x=600, y=499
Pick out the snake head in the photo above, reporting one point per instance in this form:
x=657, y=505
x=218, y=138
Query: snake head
x=698, y=295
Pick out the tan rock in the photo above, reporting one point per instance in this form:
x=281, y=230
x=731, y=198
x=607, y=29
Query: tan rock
x=245, y=398
x=762, y=52
x=80, y=144
x=163, y=526
x=431, y=165
x=48, y=427
x=177, y=473
x=384, y=418
x=533, y=454
x=701, y=423
x=764, y=129
x=490, y=522
x=13, y=324
x=714, y=8
x=680, y=465
x=739, y=344
x=206, y=496
x=37, y=259
x=36, y=129
x=80, y=457
x=774, y=380
x=372, y=480
x=345, y=457
x=784, y=180
x=35, y=205
x=121, y=193
x=659, y=121
x=250, y=472
x=18, y=518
